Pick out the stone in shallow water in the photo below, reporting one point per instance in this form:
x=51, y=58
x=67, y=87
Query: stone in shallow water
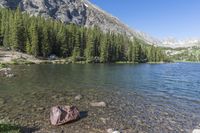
x=115, y=132
x=10, y=75
x=110, y=130
x=63, y=114
x=55, y=97
x=98, y=104
x=6, y=72
x=103, y=120
x=2, y=101
x=40, y=108
x=78, y=97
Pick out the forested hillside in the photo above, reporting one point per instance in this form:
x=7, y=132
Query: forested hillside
x=41, y=37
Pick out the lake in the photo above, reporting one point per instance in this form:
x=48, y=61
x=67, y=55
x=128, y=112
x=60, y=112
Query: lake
x=149, y=98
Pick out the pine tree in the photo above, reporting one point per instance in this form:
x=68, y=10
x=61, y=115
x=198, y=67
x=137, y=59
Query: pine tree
x=18, y=32
x=34, y=39
x=76, y=54
x=76, y=51
x=130, y=52
x=46, y=47
x=6, y=36
x=82, y=40
x=104, y=50
x=62, y=40
x=89, y=51
x=28, y=46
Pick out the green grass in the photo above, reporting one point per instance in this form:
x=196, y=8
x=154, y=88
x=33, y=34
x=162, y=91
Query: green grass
x=122, y=62
x=186, y=61
x=8, y=128
x=20, y=62
x=2, y=65
x=155, y=62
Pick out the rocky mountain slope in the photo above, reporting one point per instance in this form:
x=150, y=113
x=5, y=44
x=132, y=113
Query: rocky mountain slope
x=83, y=12
x=80, y=12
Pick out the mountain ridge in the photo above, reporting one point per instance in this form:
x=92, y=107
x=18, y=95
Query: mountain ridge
x=175, y=43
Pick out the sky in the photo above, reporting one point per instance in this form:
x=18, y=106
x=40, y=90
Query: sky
x=159, y=18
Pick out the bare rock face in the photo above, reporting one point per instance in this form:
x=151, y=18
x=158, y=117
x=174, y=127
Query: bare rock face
x=9, y=3
x=67, y=11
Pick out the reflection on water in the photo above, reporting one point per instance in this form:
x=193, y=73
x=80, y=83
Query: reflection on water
x=148, y=98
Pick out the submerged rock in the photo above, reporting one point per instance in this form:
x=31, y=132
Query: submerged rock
x=115, y=132
x=110, y=130
x=78, y=97
x=2, y=101
x=55, y=97
x=103, y=120
x=5, y=69
x=40, y=108
x=98, y=104
x=6, y=72
x=10, y=75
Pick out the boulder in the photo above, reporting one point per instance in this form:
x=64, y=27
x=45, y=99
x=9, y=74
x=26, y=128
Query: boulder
x=63, y=114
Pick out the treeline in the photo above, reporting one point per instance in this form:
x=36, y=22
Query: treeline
x=42, y=38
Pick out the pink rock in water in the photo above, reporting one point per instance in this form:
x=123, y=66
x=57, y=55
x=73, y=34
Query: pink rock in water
x=63, y=114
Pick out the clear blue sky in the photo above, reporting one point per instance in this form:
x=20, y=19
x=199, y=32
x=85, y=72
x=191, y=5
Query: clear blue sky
x=159, y=18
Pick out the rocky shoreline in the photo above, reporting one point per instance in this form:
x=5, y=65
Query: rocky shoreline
x=17, y=58
x=100, y=112
x=35, y=115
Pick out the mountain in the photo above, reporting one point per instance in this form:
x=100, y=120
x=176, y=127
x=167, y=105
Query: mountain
x=83, y=12
x=80, y=12
x=182, y=50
